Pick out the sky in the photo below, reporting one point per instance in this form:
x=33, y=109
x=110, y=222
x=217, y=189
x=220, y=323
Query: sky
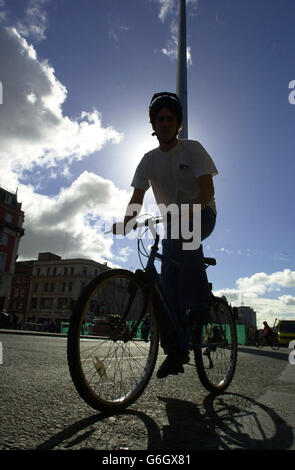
x=76, y=80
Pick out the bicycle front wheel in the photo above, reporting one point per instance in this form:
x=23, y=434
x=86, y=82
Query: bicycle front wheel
x=260, y=342
x=110, y=366
x=215, y=347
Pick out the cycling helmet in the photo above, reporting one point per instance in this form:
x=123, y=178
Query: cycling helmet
x=165, y=100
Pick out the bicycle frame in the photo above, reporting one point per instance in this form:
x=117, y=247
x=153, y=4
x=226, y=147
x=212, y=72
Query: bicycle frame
x=153, y=280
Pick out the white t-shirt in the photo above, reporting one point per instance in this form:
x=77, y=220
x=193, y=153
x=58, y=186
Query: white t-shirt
x=173, y=174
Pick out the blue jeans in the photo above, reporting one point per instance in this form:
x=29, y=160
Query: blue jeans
x=185, y=285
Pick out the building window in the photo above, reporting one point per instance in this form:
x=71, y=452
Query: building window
x=34, y=302
x=48, y=271
x=62, y=303
x=8, y=217
x=3, y=238
x=46, y=287
x=52, y=287
x=46, y=302
x=36, y=287
x=70, y=286
x=63, y=287
x=72, y=270
x=65, y=270
x=54, y=271
x=84, y=271
x=38, y=272
x=2, y=261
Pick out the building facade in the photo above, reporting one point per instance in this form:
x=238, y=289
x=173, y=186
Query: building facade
x=11, y=231
x=248, y=316
x=56, y=284
x=20, y=288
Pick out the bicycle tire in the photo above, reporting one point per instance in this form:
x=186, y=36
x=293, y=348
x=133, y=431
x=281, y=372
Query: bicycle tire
x=260, y=342
x=216, y=365
x=95, y=363
x=275, y=345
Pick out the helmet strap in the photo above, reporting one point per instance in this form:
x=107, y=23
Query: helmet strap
x=166, y=141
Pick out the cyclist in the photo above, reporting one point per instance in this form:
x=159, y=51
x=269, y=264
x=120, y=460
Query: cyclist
x=267, y=332
x=180, y=172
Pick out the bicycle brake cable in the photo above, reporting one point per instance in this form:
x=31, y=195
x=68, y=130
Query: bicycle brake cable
x=139, y=250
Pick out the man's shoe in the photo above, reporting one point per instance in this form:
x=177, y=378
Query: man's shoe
x=171, y=366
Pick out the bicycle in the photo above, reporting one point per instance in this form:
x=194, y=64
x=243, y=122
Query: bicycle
x=272, y=341
x=111, y=368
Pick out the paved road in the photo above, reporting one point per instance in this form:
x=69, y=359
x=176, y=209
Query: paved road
x=40, y=408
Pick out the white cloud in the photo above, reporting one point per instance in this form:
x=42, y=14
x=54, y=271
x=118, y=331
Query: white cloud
x=35, y=22
x=169, y=7
x=172, y=45
x=3, y=14
x=36, y=136
x=115, y=31
x=251, y=290
x=64, y=224
x=169, y=10
x=166, y=7
x=287, y=299
x=260, y=283
x=33, y=130
x=123, y=254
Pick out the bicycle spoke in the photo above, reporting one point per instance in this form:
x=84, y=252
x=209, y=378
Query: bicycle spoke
x=114, y=368
x=216, y=355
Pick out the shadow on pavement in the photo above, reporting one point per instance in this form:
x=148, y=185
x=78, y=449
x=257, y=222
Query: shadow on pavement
x=267, y=351
x=228, y=421
x=102, y=434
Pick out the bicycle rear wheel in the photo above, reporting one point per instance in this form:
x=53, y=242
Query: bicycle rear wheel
x=215, y=348
x=275, y=345
x=110, y=367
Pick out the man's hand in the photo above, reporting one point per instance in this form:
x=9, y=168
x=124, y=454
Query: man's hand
x=133, y=210
x=123, y=228
x=118, y=228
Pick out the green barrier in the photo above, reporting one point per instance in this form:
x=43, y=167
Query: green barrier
x=241, y=331
x=64, y=328
x=138, y=331
x=241, y=334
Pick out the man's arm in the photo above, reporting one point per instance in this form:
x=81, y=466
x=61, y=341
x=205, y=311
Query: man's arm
x=136, y=201
x=133, y=208
x=206, y=192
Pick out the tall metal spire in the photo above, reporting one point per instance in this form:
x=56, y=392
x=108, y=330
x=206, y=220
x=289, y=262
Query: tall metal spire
x=182, y=66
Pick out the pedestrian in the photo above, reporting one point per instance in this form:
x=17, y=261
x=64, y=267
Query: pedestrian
x=145, y=329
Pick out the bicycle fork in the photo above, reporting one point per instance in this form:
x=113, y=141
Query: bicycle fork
x=145, y=283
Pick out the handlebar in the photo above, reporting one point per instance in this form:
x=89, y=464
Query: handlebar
x=145, y=223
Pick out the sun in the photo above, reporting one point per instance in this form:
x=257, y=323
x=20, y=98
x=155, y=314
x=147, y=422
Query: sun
x=137, y=142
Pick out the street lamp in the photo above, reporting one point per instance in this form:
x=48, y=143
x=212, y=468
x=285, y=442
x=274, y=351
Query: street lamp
x=182, y=66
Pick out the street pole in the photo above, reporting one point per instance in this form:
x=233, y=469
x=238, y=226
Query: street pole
x=182, y=66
